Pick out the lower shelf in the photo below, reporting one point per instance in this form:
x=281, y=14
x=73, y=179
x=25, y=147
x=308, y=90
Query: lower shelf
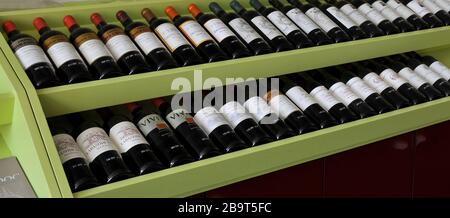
x=208, y=174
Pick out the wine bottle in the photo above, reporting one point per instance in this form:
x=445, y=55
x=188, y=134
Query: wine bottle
x=181, y=49
x=407, y=14
x=289, y=112
x=187, y=130
x=267, y=118
x=434, y=64
x=423, y=12
x=429, y=75
x=307, y=103
x=294, y=34
x=93, y=50
x=391, y=15
x=248, y=35
x=337, y=109
x=159, y=134
x=441, y=13
x=32, y=58
x=347, y=24
x=363, y=90
x=70, y=66
x=120, y=45
x=442, y=4
x=155, y=52
x=104, y=160
x=136, y=151
x=377, y=83
x=361, y=20
x=312, y=30
x=244, y=124
x=198, y=36
x=218, y=130
x=399, y=83
x=73, y=160
x=414, y=79
x=266, y=29
x=321, y=19
x=375, y=16
x=343, y=93
x=226, y=38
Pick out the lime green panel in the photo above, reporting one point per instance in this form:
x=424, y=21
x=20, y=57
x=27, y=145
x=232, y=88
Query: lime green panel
x=226, y=169
x=4, y=151
x=6, y=113
x=21, y=136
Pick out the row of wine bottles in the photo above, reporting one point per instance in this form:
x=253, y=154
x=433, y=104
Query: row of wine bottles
x=115, y=147
x=139, y=48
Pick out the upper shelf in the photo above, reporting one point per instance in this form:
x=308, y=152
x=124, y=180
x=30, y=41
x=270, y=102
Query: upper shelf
x=86, y=96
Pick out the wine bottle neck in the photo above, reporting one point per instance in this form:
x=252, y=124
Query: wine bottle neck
x=44, y=30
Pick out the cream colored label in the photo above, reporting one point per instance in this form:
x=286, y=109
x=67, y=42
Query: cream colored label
x=209, y=119
x=195, y=32
x=94, y=141
x=125, y=135
x=267, y=28
x=172, y=38
x=67, y=147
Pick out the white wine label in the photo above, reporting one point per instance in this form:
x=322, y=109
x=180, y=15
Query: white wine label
x=179, y=116
x=444, y=4
x=360, y=87
x=441, y=69
x=300, y=97
x=148, y=42
x=151, y=122
x=282, y=22
x=93, y=49
x=425, y=72
x=354, y=14
x=392, y=78
x=324, y=97
x=119, y=45
x=267, y=28
x=343, y=93
x=209, y=119
x=371, y=13
x=195, y=32
x=376, y=82
x=303, y=21
x=280, y=104
x=218, y=29
x=413, y=78
x=400, y=8
x=235, y=113
x=171, y=36
x=94, y=141
x=418, y=8
x=341, y=17
x=385, y=10
x=126, y=135
x=67, y=147
x=430, y=5
x=31, y=54
x=258, y=107
x=62, y=52
x=244, y=30
x=321, y=19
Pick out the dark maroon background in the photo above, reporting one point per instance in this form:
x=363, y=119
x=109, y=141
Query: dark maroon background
x=415, y=164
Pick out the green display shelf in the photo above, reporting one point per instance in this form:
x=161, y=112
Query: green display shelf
x=226, y=169
x=20, y=136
